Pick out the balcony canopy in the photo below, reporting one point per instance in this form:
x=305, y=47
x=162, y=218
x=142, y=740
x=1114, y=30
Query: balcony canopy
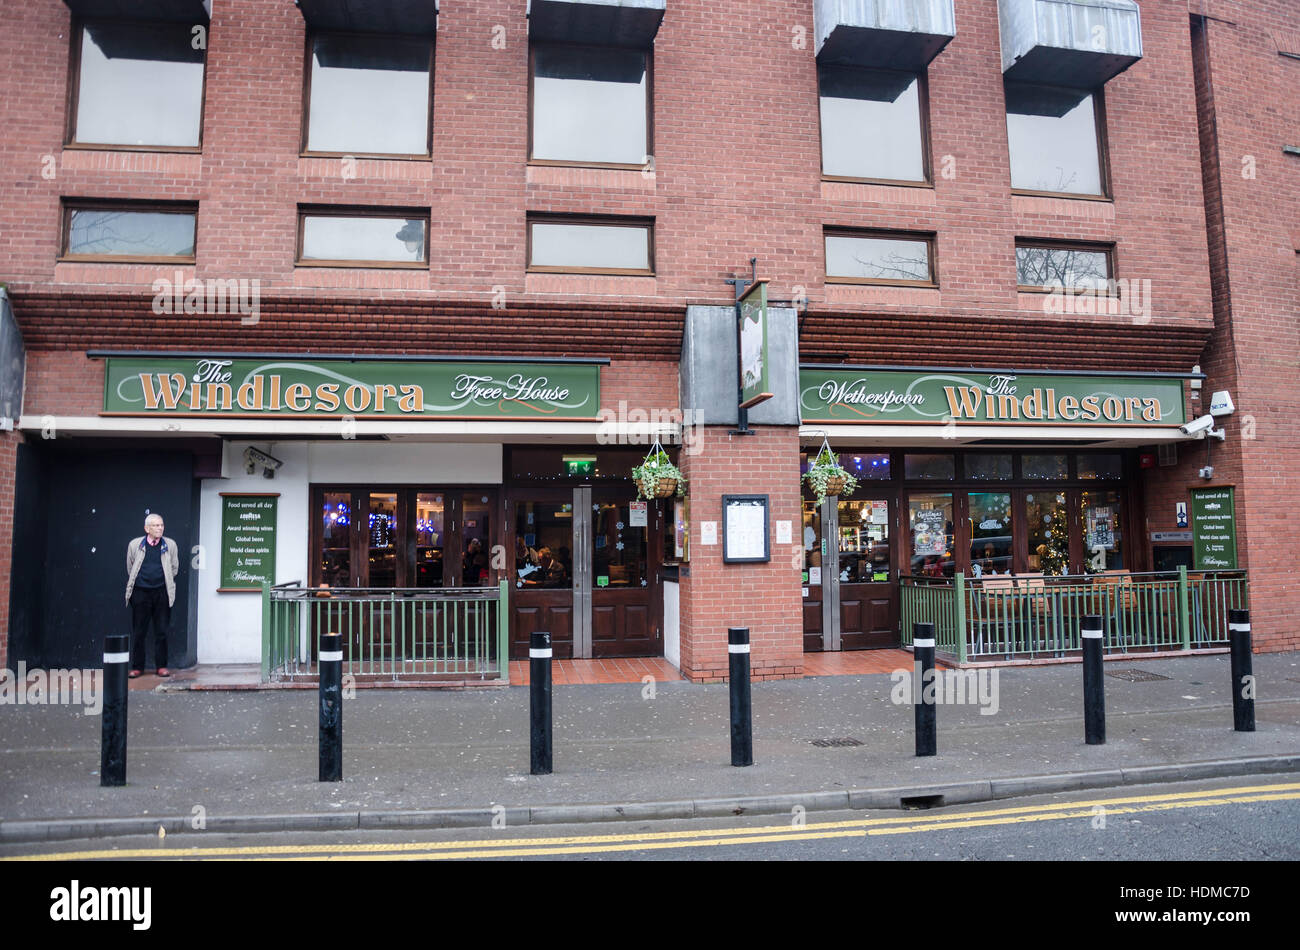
x=598, y=22
x=414, y=17
x=177, y=11
x=886, y=34
x=1080, y=43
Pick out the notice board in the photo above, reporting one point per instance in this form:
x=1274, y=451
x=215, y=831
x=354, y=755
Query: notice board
x=1214, y=529
x=248, y=525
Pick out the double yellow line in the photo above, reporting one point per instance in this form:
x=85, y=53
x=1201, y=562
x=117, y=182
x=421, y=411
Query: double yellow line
x=702, y=838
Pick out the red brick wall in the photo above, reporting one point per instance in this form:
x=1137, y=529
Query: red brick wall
x=1249, y=110
x=766, y=598
x=750, y=147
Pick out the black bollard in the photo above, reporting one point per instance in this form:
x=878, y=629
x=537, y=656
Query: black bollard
x=112, y=745
x=539, y=706
x=330, y=660
x=927, y=739
x=1243, y=677
x=742, y=713
x=1094, y=693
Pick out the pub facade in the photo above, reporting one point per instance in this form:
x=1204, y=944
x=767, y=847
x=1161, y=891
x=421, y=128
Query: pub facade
x=394, y=372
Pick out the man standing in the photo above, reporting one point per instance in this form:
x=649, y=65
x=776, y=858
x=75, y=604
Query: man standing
x=152, y=563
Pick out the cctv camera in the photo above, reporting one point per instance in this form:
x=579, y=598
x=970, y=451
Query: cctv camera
x=1207, y=471
x=254, y=457
x=1199, y=425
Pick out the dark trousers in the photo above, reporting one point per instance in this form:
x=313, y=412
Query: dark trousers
x=149, y=604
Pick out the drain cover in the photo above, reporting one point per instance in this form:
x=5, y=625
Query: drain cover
x=829, y=743
x=1135, y=676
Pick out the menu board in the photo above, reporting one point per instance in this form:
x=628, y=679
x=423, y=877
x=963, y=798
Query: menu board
x=1100, y=528
x=1214, y=529
x=248, y=525
x=744, y=529
x=929, y=531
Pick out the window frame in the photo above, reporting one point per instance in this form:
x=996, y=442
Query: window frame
x=1066, y=245
x=305, y=211
x=648, y=53
x=624, y=221
x=931, y=239
x=305, y=122
x=922, y=104
x=1102, y=139
x=68, y=205
x=72, y=97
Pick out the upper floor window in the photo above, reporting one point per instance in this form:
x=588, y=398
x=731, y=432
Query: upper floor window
x=590, y=245
x=136, y=85
x=1063, y=266
x=872, y=124
x=369, y=95
x=108, y=230
x=590, y=104
x=880, y=257
x=1056, y=141
x=363, y=237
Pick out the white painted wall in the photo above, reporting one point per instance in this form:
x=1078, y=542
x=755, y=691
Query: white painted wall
x=230, y=625
x=672, y=623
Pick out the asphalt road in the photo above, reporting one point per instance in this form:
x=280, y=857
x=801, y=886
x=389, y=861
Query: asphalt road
x=1236, y=819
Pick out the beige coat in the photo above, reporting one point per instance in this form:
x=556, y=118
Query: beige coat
x=170, y=561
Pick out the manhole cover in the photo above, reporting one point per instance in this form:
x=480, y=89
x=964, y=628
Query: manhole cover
x=1135, y=676
x=829, y=743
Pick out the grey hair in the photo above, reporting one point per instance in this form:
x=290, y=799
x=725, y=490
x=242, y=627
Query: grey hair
x=152, y=515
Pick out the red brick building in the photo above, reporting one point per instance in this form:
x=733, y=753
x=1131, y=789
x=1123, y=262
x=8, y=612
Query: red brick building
x=980, y=197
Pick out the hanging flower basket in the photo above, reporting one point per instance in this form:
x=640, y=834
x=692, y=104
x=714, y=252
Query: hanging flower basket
x=658, y=477
x=826, y=478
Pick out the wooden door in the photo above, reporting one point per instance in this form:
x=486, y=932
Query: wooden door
x=625, y=552
x=539, y=546
x=868, y=586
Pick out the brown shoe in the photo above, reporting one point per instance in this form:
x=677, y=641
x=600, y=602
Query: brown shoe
x=133, y=675
x=163, y=671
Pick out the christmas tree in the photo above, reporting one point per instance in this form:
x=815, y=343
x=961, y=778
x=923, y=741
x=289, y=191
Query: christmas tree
x=1054, y=553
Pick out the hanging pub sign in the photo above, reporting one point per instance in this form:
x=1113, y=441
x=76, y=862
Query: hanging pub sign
x=326, y=389
x=871, y=396
x=1214, y=529
x=755, y=385
x=248, y=525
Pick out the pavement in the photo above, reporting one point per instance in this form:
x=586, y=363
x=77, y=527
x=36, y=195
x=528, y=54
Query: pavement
x=247, y=760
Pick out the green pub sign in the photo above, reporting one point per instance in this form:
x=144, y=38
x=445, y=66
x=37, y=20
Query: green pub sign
x=1214, y=529
x=871, y=396
x=327, y=388
x=755, y=373
x=248, y=524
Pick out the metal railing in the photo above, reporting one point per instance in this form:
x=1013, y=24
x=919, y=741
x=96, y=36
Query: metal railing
x=1034, y=616
x=397, y=633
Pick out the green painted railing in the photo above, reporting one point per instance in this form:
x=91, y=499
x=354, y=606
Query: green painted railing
x=1026, y=617
x=397, y=633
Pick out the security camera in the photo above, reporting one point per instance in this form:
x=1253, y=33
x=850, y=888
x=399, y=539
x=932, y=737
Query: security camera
x=255, y=458
x=1206, y=471
x=1202, y=424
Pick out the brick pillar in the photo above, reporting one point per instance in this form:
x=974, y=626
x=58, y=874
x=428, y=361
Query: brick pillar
x=767, y=598
x=8, y=464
